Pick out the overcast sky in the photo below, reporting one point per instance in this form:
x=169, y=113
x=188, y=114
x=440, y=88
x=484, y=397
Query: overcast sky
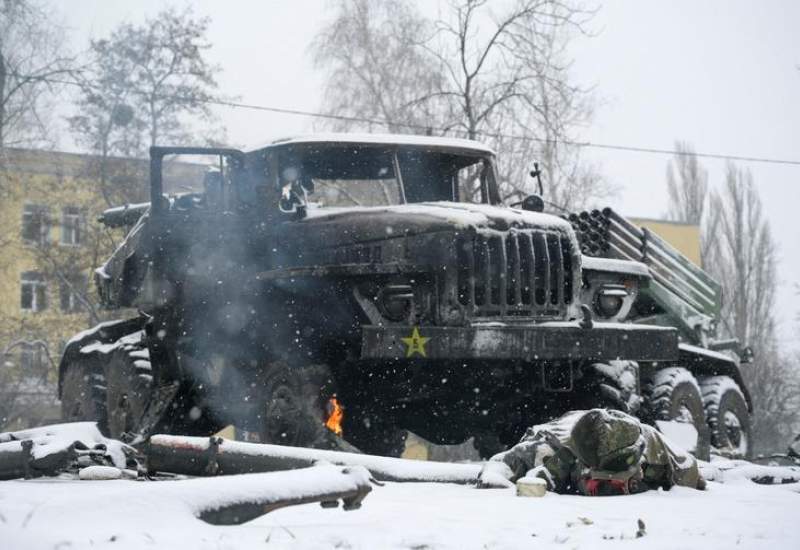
x=723, y=75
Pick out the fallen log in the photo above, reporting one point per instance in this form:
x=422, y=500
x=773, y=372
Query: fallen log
x=237, y=500
x=199, y=456
x=727, y=470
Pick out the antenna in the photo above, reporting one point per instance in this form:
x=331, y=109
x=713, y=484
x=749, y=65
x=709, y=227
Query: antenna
x=536, y=173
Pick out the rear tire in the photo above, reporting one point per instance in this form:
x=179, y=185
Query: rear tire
x=130, y=386
x=83, y=395
x=674, y=395
x=727, y=416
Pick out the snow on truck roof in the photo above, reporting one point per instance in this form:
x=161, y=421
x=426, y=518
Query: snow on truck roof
x=384, y=139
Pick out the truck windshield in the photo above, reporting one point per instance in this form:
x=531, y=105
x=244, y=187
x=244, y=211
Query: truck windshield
x=346, y=175
x=349, y=176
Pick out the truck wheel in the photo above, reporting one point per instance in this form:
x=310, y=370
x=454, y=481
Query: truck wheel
x=294, y=406
x=83, y=395
x=727, y=416
x=674, y=395
x=611, y=385
x=130, y=384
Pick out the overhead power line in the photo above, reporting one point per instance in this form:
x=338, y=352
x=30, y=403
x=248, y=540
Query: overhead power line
x=427, y=129
x=574, y=143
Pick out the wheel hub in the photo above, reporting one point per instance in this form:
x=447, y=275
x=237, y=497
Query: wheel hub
x=737, y=439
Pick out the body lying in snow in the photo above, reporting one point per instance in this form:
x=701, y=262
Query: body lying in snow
x=596, y=452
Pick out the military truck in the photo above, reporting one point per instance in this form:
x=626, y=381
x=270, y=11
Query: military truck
x=346, y=287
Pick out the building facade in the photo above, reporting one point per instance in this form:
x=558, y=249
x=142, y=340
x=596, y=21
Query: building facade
x=50, y=243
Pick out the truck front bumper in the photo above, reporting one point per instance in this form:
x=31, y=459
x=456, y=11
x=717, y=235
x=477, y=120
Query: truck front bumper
x=544, y=341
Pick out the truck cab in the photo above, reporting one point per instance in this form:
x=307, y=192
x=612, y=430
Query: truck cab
x=386, y=268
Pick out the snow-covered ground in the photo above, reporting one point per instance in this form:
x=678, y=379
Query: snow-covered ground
x=65, y=514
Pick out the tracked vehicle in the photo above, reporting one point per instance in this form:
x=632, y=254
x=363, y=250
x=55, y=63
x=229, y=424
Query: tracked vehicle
x=383, y=276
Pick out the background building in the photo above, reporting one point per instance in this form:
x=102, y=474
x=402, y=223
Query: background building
x=50, y=244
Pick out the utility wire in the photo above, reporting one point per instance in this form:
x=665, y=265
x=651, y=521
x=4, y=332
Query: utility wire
x=424, y=128
x=587, y=144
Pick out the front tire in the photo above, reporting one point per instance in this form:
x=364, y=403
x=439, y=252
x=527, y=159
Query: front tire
x=673, y=394
x=294, y=407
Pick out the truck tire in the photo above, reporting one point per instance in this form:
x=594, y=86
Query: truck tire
x=612, y=385
x=294, y=406
x=130, y=383
x=83, y=395
x=673, y=394
x=727, y=416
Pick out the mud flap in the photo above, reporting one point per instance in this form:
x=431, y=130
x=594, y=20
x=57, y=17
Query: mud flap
x=161, y=398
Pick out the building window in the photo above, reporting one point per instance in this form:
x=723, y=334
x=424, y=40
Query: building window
x=71, y=226
x=33, y=360
x=35, y=224
x=68, y=293
x=33, y=291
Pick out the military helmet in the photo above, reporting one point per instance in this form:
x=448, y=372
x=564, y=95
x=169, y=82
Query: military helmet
x=609, y=443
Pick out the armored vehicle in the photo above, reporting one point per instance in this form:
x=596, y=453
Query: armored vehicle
x=352, y=288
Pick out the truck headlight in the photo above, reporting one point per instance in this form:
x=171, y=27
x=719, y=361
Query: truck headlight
x=395, y=302
x=609, y=300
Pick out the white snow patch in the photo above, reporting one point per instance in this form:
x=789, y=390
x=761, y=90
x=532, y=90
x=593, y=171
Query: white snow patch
x=89, y=331
x=133, y=338
x=496, y=475
x=681, y=434
x=100, y=473
x=388, y=139
x=613, y=265
x=706, y=352
x=384, y=468
x=128, y=515
x=56, y=438
x=598, y=324
x=727, y=470
x=457, y=213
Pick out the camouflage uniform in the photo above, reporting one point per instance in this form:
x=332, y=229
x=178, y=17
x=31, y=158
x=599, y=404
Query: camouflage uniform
x=586, y=450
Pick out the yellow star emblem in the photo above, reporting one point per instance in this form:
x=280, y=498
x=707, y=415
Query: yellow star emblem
x=415, y=343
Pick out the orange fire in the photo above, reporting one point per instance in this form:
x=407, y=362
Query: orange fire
x=335, y=416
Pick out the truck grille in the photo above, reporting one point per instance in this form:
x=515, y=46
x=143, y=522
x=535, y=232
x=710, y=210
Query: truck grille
x=520, y=273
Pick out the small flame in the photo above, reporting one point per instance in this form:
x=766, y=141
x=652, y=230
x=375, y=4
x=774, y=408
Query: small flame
x=335, y=416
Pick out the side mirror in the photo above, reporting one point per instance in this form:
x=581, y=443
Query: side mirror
x=293, y=200
x=532, y=203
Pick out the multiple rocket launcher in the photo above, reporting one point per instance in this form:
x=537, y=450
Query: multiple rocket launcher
x=679, y=294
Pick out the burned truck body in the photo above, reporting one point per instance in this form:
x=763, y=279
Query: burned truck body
x=381, y=275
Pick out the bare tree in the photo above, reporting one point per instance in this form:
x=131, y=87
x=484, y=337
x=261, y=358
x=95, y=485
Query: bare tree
x=25, y=398
x=745, y=263
x=747, y=256
x=738, y=249
x=474, y=72
x=687, y=185
x=377, y=66
x=146, y=84
x=31, y=58
x=689, y=197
